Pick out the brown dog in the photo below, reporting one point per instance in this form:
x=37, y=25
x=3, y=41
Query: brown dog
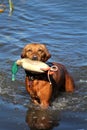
x=41, y=88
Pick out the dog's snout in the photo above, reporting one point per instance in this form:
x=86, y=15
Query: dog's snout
x=34, y=57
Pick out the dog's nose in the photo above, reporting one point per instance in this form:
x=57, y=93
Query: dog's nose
x=35, y=58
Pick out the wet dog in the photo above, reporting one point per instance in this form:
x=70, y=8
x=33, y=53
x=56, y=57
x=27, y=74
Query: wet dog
x=43, y=87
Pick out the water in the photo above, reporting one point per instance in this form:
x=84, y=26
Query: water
x=62, y=26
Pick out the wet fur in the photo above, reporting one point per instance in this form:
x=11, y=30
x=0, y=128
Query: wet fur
x=40, y=89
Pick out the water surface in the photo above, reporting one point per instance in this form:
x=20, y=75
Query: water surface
x=62, y=26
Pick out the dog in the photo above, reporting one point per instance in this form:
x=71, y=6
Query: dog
x=41, y=88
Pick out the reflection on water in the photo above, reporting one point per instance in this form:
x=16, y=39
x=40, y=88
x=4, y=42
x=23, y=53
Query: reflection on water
x=59, y=24
x=42, y=119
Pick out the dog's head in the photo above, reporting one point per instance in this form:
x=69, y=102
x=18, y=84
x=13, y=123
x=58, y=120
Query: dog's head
x=36, y=51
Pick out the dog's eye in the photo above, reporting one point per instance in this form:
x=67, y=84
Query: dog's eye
x=40, y=50
x=29, y=50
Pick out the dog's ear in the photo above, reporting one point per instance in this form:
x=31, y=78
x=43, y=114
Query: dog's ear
x=23, y=54
x=47, y=54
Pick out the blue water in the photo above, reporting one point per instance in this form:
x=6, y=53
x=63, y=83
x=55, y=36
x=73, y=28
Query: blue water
x=62, y=26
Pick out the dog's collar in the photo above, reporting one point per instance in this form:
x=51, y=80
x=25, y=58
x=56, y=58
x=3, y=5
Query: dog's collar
x=39, y=76
x=42, y=76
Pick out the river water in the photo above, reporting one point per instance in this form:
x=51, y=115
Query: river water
x=62, y=26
